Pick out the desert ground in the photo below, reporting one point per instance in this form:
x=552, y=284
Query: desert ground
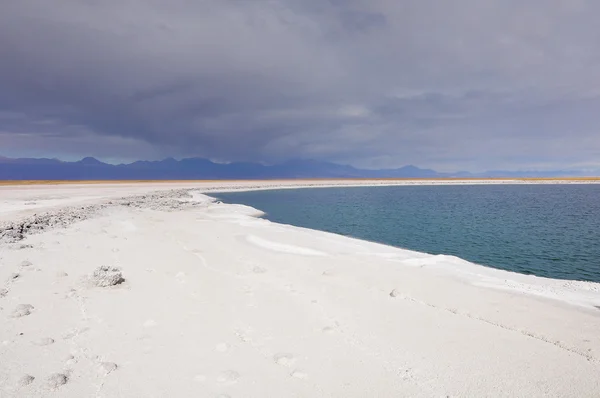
x=154, y=289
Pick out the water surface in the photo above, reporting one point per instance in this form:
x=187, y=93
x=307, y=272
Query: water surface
x=546, y=230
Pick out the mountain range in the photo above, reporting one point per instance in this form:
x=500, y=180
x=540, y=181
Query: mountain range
x=198, y=168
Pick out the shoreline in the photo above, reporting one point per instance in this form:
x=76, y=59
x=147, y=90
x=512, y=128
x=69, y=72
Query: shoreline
x=249, y=307
x=115, y=189
x=564, y=290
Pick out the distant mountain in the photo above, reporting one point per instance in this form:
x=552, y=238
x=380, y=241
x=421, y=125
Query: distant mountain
x=89, y=161
x=31, y=161
x=198, y=168
x=539, y=174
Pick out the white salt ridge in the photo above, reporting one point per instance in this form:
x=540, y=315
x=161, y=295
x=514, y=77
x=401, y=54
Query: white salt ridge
x=247, y=306
x=282, y=247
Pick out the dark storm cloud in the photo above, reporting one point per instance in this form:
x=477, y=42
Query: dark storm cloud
x=463, y=84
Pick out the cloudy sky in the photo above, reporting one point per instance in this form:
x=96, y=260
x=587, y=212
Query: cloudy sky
x=463, y=84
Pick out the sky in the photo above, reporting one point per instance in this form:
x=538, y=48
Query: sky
x=452, y=85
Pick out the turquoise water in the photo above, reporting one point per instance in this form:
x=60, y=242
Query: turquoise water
x=545, y=230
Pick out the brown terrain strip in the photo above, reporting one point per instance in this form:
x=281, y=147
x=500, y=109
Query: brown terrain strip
x=56, y=182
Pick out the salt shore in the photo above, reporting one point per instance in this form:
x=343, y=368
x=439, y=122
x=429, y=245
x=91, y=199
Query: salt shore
x=156, y=290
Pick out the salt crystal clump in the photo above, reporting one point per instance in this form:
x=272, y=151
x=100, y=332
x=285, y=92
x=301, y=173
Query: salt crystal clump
x=12, y=232
x=25, y=380
x=106, y=276
x=107, y=367
x=70, y=360
x=22, y=310
x=56, y=380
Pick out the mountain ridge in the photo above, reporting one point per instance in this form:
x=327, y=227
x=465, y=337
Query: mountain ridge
x=90, y=168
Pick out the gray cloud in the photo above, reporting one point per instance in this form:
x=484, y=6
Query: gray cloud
x=376, y=83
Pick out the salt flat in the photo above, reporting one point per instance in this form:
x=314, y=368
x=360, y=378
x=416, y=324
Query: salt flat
x=216, y=302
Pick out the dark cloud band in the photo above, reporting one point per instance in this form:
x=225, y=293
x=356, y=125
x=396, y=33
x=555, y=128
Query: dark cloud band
x=465, y=84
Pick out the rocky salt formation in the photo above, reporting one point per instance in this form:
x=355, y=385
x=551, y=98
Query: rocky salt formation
x=56, y=380
x=22, y=310
x=107, y=367
x=25, y=380
x=105, y=276
x=172, y=200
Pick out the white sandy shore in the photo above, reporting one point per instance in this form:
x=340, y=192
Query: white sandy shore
x=219, y=303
